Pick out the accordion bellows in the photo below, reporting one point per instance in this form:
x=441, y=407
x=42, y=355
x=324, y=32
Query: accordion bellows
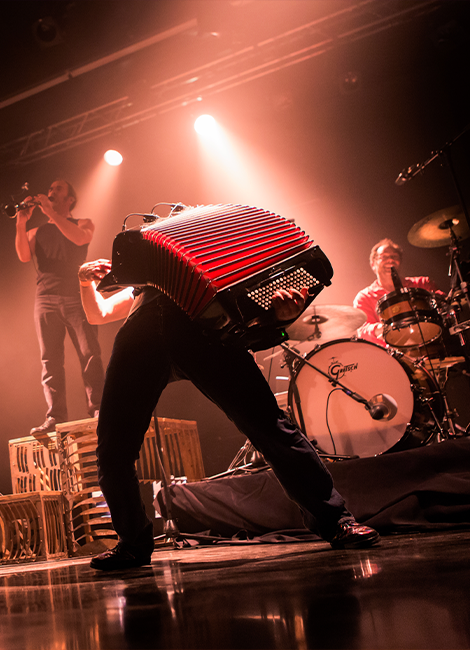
x=221, y=264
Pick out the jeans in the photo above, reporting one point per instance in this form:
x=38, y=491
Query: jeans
x=53, y=317
x=158, y=339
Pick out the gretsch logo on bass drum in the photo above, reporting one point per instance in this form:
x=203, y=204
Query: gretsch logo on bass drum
x=337, y=370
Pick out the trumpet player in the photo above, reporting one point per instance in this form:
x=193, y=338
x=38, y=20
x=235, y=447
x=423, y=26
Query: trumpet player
x=59, y=247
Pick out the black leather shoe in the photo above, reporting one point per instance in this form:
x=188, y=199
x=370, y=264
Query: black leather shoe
x=120, y=558
x=354, y=535
x=46, y=427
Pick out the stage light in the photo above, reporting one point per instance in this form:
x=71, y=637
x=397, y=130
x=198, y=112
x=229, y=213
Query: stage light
x=47, y=32
x=205, y=125
x=349, y=82
x=113, y=157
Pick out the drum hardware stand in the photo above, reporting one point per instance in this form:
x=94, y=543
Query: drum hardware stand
x=453, y=430
x=459, y=328
x=447, y=417
x=256, y=461
x=454, y=264
x=448, y=431
x=450, y=428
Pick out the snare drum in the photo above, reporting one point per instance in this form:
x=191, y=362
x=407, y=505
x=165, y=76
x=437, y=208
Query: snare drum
x=410, y=318
x=340, y=425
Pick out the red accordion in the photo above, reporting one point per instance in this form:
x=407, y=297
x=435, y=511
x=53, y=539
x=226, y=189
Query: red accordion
x=221, y=264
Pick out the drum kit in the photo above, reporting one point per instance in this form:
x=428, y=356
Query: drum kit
x=354, y=398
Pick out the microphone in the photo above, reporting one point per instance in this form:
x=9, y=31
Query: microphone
x=397, y=283
x=407, y=174
x=382, y=407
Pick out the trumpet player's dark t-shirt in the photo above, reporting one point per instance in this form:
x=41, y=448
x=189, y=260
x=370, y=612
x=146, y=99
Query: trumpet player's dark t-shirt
x=58, y=261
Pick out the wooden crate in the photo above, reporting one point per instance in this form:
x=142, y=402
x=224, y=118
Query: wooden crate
x=32, y=527
x=88, y=519
x=67, y=463
x=76, y=442
x=181, y=451
x=182, y=455
x=35, y=467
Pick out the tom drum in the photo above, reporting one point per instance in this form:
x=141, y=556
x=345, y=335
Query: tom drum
x=410, y=318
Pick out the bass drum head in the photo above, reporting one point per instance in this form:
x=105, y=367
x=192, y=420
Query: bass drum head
x=338, y=424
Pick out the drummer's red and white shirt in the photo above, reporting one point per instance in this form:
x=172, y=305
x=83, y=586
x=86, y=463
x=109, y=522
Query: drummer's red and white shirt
x=368, y=298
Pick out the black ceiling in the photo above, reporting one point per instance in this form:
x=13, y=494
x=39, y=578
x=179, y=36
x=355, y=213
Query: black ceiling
x=73, y=69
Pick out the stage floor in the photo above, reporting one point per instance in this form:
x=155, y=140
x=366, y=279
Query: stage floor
x=411, y=591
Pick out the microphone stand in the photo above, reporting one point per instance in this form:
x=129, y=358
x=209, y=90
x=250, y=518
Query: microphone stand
x=290, y=351
x=171, y=532
x=334, y=382
x=454, y=265
x=445, y=153
x=170, y=529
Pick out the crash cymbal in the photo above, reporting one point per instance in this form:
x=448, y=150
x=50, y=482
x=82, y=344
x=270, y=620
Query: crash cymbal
x=434, y=230
x=326, y=323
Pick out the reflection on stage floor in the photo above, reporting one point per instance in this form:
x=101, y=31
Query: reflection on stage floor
x=411, y=591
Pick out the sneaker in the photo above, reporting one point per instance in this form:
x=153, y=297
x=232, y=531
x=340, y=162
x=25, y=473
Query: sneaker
x=120, y=557
x=354, y=535
x=46, y=427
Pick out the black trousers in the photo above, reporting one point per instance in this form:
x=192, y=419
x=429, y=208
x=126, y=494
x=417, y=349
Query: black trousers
x=159, y=338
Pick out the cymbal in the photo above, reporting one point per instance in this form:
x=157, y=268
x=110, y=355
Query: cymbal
x=326, y=323
x=434, y=230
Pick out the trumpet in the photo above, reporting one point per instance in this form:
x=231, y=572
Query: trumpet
x=10, y=209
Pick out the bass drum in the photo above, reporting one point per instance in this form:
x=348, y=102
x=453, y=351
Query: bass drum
x=339, y=425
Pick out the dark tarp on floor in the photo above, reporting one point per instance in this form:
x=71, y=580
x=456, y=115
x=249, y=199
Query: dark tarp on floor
x=419, y=489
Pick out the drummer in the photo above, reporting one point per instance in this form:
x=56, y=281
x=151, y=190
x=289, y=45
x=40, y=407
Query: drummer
x=383, y=257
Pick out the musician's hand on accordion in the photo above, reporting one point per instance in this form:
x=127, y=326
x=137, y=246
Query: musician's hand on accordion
x=100, y=310
x=288, y=305
x=93, y=271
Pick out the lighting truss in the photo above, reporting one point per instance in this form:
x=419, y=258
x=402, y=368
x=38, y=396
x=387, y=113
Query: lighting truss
x=355, y=21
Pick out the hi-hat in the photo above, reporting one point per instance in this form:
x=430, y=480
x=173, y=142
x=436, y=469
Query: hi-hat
x=326, y=323
x=435, y=229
